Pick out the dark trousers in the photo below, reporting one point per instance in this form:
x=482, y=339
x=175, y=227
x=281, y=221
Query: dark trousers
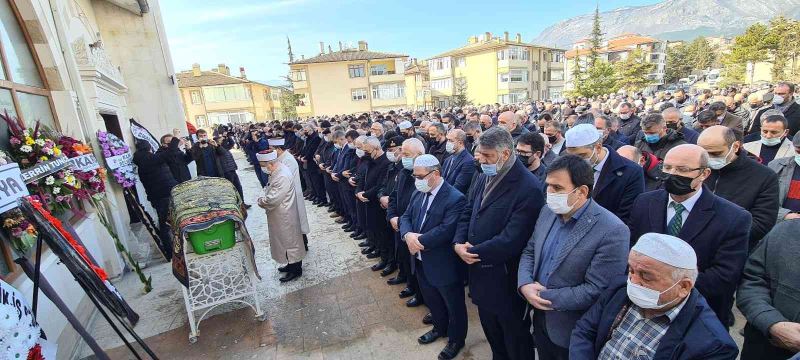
x=507, y=333
x=164, y=230
x=404, y=263
x=332, y=188
x=757, y=347
x=348, y=198
x=316, y=180
x=361, y=216
x=303, y=182
x=262, y=178
x=447, y=306
x=234, y=179
x=545, y=348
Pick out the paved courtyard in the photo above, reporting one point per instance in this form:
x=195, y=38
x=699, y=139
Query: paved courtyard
x=339, y=309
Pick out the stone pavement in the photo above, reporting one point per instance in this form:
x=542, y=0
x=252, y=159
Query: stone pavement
x=339, y=309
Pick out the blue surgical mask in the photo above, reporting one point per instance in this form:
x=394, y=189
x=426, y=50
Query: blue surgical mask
x=797, y=159
x=490, y=169
x=770, y=141
x=408, y=163
x=652, y=138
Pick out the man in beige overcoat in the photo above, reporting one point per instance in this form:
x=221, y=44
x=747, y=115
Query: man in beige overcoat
x=283, y=220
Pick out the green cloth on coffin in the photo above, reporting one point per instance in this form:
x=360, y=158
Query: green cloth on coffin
x=197, y=205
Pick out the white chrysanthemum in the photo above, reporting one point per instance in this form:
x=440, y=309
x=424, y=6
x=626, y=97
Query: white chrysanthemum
x=50, y=180
x=26, y=148
x=56, y=190
x=40, y=142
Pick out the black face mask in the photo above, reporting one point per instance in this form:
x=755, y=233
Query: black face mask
x=552, y=139
x=525, y=159
x=754, y=106
x=673, y=126
x=677, y=184
x=483, y=128
x=470, y=139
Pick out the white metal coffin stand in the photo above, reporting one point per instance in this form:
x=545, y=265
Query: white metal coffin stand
x=219, y=278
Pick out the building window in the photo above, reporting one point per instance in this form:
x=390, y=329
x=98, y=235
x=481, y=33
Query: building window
x=275, y=96
x=442, y=84
x=513, y=53
x=200, y=120
x=358, y=94
x=226, y=93
x=420, y=94
x=266, y=94
x=239, y=117
x=196, y=98
x=518, y=75
x=558, y=57
x=513, y=97
x=389, y=91
x=356, y=71
x=556, y=75
x=535, y=66
x=303, y=100
x=379, y=69
x=461, y=61
x=298, y=75
x=440, y=64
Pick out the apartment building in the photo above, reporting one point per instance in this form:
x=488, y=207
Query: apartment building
x=618, y=49
x=496, y=70
x=347, y=81
x=418, y=94
x=216, y=97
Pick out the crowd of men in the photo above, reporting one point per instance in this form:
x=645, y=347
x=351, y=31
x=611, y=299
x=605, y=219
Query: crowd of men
x=615, y=227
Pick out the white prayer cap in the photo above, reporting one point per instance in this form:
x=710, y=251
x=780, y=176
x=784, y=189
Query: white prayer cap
x=405, y=125
x=667, y=249
x=426, y=160
x=582, y=135
x=267, y=156
x=276, y=142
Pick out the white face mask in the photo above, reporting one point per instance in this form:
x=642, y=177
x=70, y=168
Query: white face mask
x=647, y=298
x=777, y=100
x=625, y=116
x=391, y=156
x=422, y=185
x=771, y=141
x=360, y=153
x=450, y=147
x=717, y=163
x=559, y=203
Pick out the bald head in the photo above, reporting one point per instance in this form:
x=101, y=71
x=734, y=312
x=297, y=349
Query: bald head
x=631, y=153
x=508, y=120
x=688, y=156
x=486, y=121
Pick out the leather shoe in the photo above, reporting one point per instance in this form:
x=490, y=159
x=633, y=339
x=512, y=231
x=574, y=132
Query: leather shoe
x=333, y=215
x=429, y=337
x=347, y=226
x=406, y=293
x=247, y=206
x=340, y=220
x=396, y=280
x=360, y=237
x=373, y=255
x=367, y=250
x=428, y=319
x=283, y=268
x=355, y=233
x=450, y=351
x=414, y=302
x=363, y=244
x=379, y=266
x=290, y=276
x=388, y=270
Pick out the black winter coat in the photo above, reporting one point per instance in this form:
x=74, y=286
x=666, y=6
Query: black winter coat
x=197, y=154
x=177, y=160
x=226, y=160
x=154, y=172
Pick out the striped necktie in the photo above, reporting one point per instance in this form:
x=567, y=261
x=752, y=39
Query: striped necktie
x=675, y=225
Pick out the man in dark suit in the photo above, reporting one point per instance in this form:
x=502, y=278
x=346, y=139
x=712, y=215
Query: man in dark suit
x=427, y=227
x=555, y=136
x=491, y=234
x=459, y=167
x=398, y=203
x=721, y=116
x=376, y=226
x=686, y=209
x=312, y=143
x=472, y=130
x=576, y=247
x=345, y=165
x=783, y=100
x=617, y=181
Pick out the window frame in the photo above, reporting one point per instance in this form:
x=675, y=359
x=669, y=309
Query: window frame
x=361, y=96
x=383, y=69
x=199, y=99
x=356, y=70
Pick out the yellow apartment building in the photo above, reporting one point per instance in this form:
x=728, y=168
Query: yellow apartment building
x=496, y=70
x=217, y=97
x=418, y=92
x=348, y=81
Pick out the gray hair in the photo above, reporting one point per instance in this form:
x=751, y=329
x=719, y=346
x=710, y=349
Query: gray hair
x=672, y=110
x=587, y=118
x=496, y=138
x=703, y=158
x=729, y=136
x=774, y=116
x=373, y=142
x=459, y=134
x=557, y=125
x=651, y=120
x=360, y=139
x=679, y=274
x=337, y=134
x=389, y=125
x=415, y=145
x=472, y=126
x=608, y=120
x=439, y=128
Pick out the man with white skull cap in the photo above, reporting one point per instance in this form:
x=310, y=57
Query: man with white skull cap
x=617, y=180
x=658, y=314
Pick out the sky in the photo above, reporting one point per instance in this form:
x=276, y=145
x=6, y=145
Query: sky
x=252, y=33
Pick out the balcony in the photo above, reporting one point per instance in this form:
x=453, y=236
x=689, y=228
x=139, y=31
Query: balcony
x=300, y=84
x=388, y=77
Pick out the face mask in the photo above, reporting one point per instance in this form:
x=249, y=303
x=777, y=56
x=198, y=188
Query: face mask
x=673, y=126
x=408, y=163
x=470, y=138
x=350, y=146
x=717, y=163
x=337, y=146
x=771, y=141
x=422, y=185
x=652, y=138
x=559, y=203
x=321, y=136
x=754, y=106
x=391, y=156
x=777, y=100
x=203, y=140
x=490, y=169
x=719, y=118
x=360, y=153
x=525, y=159
x=553, y=139
x=797, y=159
x=677, y=184
x=625, y=116
x=589, y=159
x=450, y=147
x=646, y=298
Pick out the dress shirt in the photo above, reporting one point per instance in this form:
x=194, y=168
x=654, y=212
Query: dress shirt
x=638, y=337
x=431, y=195
x=688, y=204
x=558, y=233
x=556, y=149
x=599, y=167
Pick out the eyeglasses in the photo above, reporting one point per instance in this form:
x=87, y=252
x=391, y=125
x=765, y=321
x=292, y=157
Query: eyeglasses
x=424, y=176
x=679, y=169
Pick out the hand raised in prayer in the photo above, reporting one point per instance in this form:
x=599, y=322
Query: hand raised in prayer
x=261, y=202
x=465, y=255
x=531, y=293
x=352, y=182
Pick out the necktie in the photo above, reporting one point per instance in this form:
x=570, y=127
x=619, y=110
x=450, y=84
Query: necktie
x=421, y=216
x=675, y=225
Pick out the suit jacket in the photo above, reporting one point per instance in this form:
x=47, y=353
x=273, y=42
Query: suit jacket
x=440, y=262
x=694, y=334
x=401, y=195
x=620, y=181
x=458, y=170
x=784, y=167
x=498, y=226
x=786, y=149
x=792, y=115
x=596, y=250
x=720, y=247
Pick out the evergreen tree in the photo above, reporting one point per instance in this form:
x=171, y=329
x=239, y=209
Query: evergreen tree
x=459, y=97
x=595, y=39
x=632, y=72
x=677, y=63
x=750, y=47
x=599, y=79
